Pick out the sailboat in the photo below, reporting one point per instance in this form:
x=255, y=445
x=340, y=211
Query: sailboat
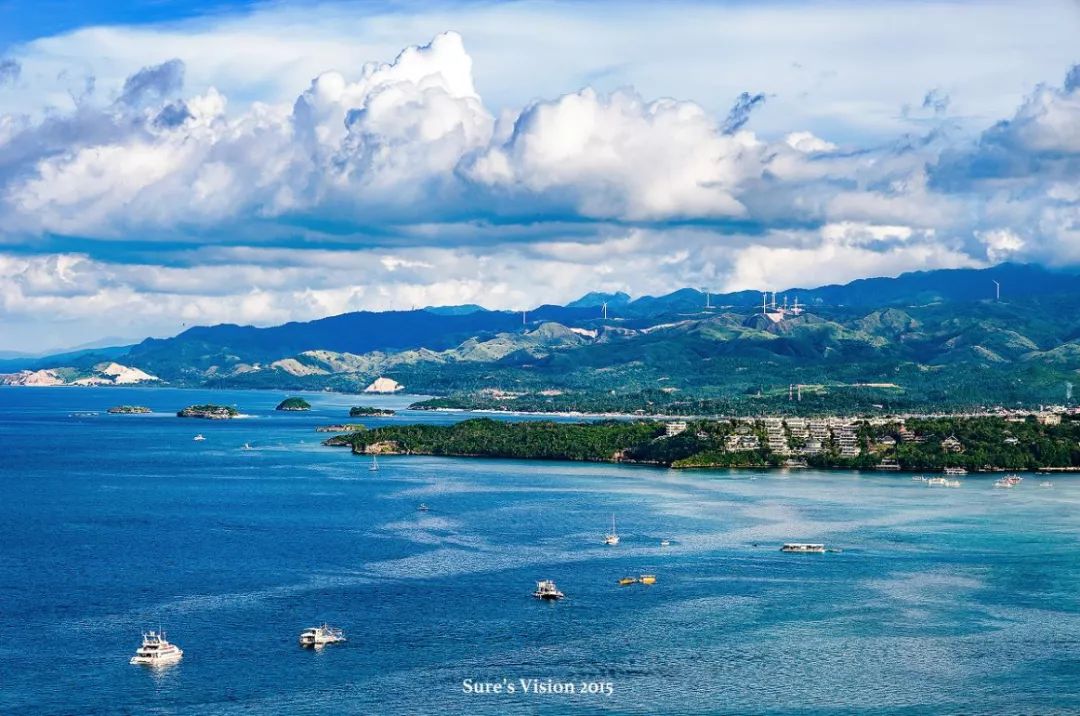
x=613, y=538
x=374, y=464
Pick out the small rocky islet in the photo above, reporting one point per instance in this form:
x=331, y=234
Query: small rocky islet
x=208, y=412
x=128, y=410
x=368, y=411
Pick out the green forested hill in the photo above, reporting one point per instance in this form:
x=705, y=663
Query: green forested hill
x=925, y=345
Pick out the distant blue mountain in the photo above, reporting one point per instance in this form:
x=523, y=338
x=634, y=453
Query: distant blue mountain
x=461, y=310
x=595, y=299
x=200, y=350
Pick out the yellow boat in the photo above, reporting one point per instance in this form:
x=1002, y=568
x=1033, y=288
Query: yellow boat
x=626, y=581
x=647, y=579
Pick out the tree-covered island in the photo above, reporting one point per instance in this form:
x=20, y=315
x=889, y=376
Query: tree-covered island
x=128, y=410
x=922, y=444
x=208, y=412
x=293, y=405
x=368, y=411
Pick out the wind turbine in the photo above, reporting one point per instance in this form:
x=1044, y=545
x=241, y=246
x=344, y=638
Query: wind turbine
x=997, y=290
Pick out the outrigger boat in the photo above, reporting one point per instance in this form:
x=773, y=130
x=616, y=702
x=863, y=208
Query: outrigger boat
x=1008, y=481
x=803, y=548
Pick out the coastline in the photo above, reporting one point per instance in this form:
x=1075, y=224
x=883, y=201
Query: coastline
x=906, y=472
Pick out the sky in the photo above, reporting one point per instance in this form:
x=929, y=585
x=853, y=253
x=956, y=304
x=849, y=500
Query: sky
x=168, y=164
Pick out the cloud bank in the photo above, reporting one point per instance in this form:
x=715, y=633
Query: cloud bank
x=395, y=185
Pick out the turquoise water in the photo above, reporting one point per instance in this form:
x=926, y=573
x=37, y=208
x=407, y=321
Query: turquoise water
x=942, y=601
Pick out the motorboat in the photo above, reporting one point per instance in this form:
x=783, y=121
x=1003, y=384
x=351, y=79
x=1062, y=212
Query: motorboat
x=320, y=636
x=422, y=508
x=546, y=590
x=803, y=548
x=627, y=581
x=199, y=438
x=156, y=651
x=647, y=579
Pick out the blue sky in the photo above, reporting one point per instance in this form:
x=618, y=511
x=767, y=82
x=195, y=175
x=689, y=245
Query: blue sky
x=166, y=164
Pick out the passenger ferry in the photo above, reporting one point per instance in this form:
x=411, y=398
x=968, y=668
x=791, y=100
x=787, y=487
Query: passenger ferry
x=156, y=651
x=316, y=637
x=546, y=590
x=803, y=547
x=957, y=471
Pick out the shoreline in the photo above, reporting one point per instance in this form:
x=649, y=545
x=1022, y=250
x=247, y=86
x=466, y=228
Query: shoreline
x=642, y=463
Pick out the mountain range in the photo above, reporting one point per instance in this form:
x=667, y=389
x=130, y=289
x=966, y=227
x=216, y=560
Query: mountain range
x=917, y=341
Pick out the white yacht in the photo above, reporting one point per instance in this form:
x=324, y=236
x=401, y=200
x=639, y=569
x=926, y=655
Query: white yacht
x=957, y=471
x=156, y=651
x=613, y=538
x=316, y=637
x=803, y=547
x=198, y=437
x=546, y=589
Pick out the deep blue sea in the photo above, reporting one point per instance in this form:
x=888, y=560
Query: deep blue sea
x=962, y=601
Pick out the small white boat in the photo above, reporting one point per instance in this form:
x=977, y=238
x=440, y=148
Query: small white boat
x=918, y=478
x=957, y=471
x=247, y=446
x=937, y=482
x=198, y=437
x=156, y=651
x=665, y=543
x=546, y=590
x=803, y=548
x=374, y=467
x=422, y=508
x=320, y=636
x=612, y=539
x=1046, y=483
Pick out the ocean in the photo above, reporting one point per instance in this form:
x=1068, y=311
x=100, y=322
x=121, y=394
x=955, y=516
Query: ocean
x=961, y=601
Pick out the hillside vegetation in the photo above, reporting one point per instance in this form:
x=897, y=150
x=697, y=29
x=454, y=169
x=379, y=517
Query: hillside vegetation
x=917, y=444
